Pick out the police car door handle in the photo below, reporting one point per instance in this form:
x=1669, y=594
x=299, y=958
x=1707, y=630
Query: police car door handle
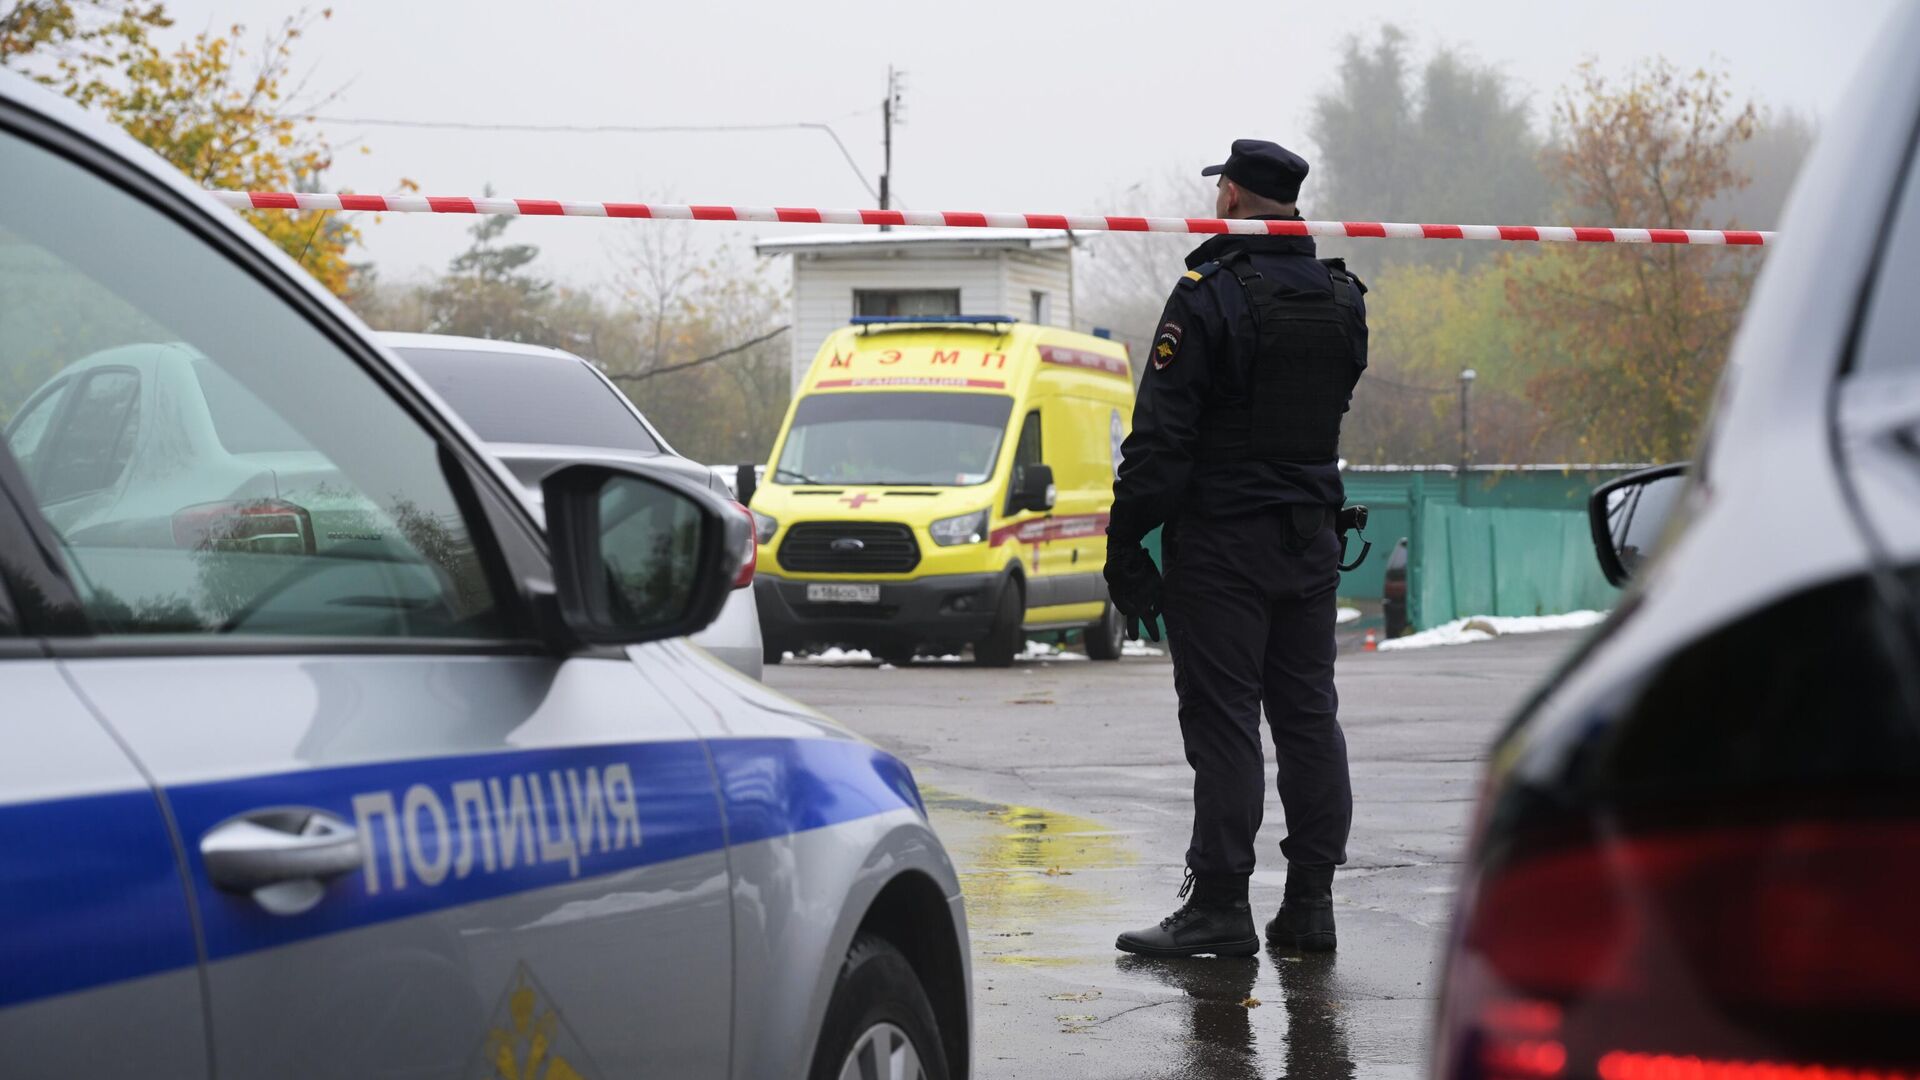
x=281, y=844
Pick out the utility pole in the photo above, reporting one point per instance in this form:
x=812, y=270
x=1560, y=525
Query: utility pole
x=889, y=113
x=1466, y=448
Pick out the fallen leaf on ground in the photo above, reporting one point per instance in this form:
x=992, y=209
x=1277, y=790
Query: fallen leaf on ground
x=1087, y=996
x=1251, y=1003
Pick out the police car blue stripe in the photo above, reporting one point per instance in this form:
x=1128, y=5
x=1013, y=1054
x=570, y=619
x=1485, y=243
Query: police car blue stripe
x=773, y=787
x=438, y=832
x=471, y=851
x=89, y=893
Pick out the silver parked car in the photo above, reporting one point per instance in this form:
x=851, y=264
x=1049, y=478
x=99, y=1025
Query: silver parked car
x=443, y=795
x=540, y=408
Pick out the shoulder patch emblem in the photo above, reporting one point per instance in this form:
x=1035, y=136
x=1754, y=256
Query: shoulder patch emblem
x=1166, y=345
x=1198, y=274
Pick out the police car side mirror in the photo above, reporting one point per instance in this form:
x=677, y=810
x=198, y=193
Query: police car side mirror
x=638, y=555
x=1628, y=516
x=1033, y=488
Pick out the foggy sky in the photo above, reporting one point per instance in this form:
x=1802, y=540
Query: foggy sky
x=1038, y=106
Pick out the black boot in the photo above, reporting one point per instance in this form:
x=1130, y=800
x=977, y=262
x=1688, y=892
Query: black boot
x=1305, y=921
x=1216, y=919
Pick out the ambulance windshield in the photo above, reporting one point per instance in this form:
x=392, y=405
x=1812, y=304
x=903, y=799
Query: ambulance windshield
x=894, y=437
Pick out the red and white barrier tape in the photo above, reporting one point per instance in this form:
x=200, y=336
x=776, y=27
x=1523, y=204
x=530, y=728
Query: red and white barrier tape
x=433, y=204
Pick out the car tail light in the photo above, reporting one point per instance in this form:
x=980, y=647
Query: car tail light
x=1623, y=1066
x=1764, y=952
x=264, y=525
x=745, y=577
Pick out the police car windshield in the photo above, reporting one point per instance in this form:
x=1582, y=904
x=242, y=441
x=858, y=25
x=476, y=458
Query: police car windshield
x=921, y=439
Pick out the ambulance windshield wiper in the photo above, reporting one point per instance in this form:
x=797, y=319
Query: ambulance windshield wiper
x=780, y=471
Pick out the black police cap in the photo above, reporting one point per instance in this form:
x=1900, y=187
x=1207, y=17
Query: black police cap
x=1263, y=168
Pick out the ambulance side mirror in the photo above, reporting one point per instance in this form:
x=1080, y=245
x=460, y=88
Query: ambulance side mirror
x=1033, y=488
x=746, y=482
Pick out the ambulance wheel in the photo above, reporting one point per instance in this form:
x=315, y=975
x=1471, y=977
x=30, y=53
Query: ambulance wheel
x=1106, y=638
x=879, y=1021
x=1002, y=642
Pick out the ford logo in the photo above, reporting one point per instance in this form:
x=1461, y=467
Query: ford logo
x=847, y=545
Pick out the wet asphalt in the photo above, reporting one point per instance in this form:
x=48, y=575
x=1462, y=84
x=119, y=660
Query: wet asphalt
x=1060, y=790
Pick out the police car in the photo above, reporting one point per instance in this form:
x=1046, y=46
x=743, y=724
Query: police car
x=321, y=759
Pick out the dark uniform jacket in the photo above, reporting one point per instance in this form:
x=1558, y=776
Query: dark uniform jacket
x=1202, y=358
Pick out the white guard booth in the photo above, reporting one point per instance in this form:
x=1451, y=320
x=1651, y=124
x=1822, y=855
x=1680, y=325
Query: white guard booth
x=1026, y=275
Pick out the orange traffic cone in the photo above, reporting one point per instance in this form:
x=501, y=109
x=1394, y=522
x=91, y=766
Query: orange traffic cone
x=1371, y=644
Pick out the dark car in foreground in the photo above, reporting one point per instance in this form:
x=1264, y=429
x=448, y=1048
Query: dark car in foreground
x=1698, y=848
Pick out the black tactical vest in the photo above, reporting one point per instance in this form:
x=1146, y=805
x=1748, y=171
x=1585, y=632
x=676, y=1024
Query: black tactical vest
x=1306, y=361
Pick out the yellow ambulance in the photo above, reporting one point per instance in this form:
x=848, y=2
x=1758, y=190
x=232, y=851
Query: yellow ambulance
x=941, y=483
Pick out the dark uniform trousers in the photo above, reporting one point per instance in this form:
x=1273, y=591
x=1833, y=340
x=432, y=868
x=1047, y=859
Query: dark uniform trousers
x=1249, y=604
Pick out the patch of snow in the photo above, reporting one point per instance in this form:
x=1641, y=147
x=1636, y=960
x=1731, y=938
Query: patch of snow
x=1457, y=633
x=1040, y=650
x=837, y=656
x=1346, y=615
x=1140, y=648
x=888, y=667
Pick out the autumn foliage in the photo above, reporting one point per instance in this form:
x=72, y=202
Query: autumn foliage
x=228, y=113
x=1631, y=339
x=1582, y=353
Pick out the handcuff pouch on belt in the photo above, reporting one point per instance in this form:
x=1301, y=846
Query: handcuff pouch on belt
x=1354, y=518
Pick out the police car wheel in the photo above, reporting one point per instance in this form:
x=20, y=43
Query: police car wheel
x=1106, y=638
x=879, y=1024
x=1003, y=642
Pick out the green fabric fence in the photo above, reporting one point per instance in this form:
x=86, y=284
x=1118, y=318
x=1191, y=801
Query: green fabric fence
x=1497, y=561
x=1507, y=541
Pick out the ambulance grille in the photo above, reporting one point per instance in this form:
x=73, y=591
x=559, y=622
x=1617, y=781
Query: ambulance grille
x=811, y=548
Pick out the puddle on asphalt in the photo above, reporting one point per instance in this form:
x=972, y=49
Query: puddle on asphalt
x=1018, y=867
x=1035, y=881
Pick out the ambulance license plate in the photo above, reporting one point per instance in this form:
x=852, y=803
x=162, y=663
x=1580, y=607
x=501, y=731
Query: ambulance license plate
x=843, y=594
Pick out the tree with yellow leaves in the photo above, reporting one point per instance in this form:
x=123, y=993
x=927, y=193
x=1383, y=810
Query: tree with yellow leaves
x=1631, y=339
x=224, y=114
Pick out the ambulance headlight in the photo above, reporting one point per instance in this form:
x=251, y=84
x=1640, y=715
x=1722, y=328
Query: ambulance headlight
x=965, y=529
x=764, y=526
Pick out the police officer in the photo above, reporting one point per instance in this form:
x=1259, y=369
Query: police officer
x=1235, y=449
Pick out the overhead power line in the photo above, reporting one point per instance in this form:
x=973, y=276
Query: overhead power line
x=642, y=376
x=612, y=129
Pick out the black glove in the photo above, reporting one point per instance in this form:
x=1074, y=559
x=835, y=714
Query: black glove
x=1134, y=583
